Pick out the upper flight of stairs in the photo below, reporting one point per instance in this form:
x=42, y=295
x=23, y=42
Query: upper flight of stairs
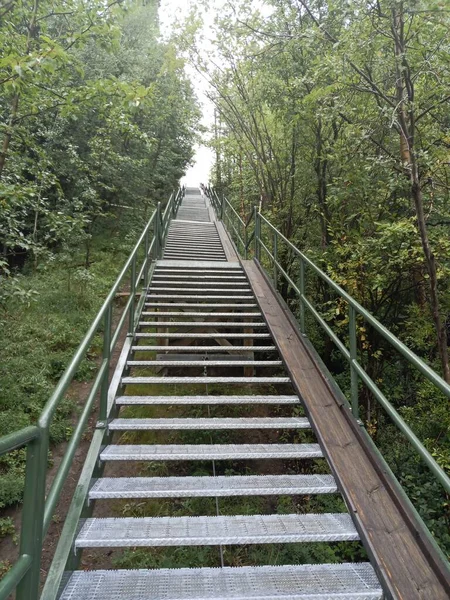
x=203, y=351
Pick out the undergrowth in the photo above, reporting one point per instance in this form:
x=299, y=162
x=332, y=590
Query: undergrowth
x=38, y=340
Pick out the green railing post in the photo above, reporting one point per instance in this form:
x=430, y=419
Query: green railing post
x=222, y=208
x=33, y=515
x=156, y=228
x=257, y=233
x=107, y=325
x=146, y=259
x=159, y=232
x=245, y=244
x=132, y=294
x=353, y=357
x=275, y=259
x=301, y=287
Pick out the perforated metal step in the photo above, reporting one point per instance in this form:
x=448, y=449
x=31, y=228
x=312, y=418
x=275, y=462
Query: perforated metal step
x=215, y=324
x=219, y=289
x=203, y=336
x=212, y=531
x=197, y=277
x=355, y=581
x=203, y=380
x=199, y=487
x=201, y=306
x=215, y=424
x=199, y=314
x=191, y=400
x=209, y=451
x=164, y=264
x=203, y=349
x=204, y=363
x=221, y=285
x=193, y=297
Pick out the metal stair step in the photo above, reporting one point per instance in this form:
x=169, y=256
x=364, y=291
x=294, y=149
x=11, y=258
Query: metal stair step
x=204, y=363
x=202, y=305
x=198, y=266
x=203, y=336
x=188, y=284
x=238, y=289
x=207, y=487
x=202, y=380
x=198, y=324
x=157, y=452
x=196, y=247
x=199, y=400
x=203, y=349
x=181, y=313
x=176, y=241
x=225, y=272
x=198, y=277
x=213, y=424
x=152, y=296
x=355, y=581
x=213, y=531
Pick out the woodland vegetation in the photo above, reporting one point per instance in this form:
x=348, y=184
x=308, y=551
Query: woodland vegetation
x=98, y=123
x=334, y=118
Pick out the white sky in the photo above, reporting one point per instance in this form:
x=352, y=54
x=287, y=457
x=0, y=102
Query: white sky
x=170, y=11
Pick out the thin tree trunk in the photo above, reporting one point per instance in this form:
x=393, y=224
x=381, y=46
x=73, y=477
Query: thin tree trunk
x=15, y=102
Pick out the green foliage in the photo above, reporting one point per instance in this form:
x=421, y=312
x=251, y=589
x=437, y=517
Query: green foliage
x=341, y=139
x=6, y=527
x=38, y=341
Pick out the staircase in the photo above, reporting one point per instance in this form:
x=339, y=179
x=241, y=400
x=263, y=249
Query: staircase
x=202, y=347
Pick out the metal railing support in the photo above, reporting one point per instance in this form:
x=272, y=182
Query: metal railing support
x=256, y=237
x=147, y=258
x=107, y=326
x=353, y=357
x=158, y=233
x=132, y=295
x=301, y=286
x=275, y=260
x=33, y=515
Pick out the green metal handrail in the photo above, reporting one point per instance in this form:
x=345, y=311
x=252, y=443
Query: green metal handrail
x=357, y=371
x=38, y=508
x=230, y=218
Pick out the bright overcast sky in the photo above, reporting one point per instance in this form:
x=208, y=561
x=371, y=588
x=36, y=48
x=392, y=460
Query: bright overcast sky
x=171, y=10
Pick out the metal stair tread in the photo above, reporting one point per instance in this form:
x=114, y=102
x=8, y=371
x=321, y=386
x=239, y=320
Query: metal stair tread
x=198, y=324
x=197, y=297
x=203, y=349
x=181, y=313
x=143, y=452
x=123, y=532
x=181, y=334
x=214, y=423
x=230, y=266
x=190, y=487
x=193, y=380
x=188, y=400
x=356, y=581
x=202, y=305
x=204, y=363
x=240, y=289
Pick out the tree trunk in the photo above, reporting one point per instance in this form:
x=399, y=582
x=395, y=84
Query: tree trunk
x=32, y=30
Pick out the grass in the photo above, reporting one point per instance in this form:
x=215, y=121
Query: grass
x=38, y=341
